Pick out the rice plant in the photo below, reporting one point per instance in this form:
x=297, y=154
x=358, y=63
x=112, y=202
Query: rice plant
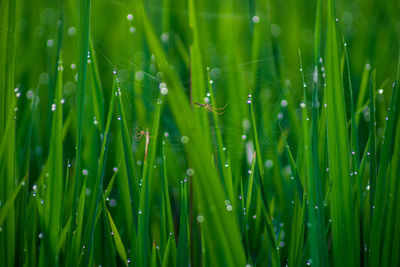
x=199, y=133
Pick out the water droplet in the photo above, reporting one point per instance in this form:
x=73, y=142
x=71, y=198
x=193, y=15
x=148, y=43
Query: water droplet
x=113, y=203
x=85, y=172
x=132, y=29
x=40, y=235
x=229, y=207
x=269, y=163
x=35, y=187
x=244, y=137
x=368, y=187
x=309, y=261
x=115, y=169
x=129, y=17
x=53, y=107
x=165, y=37
x=190, y=172
x=256, y=19
x=309, y=225
x=139, y=212
x=302, y=105
x=164, y=90
x=71, y=31
x=50, y=43
x=284, y=103
x=200, y=218
x=184, y=139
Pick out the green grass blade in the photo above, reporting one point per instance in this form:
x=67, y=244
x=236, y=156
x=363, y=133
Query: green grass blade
x=100, y=173
x=383, y=180
x=55, y=182
x=84, y=22
x=183, y=238
x=117, y=239
x=345, y=236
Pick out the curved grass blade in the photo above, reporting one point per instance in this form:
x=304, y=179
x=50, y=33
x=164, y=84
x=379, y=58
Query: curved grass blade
x=117, y=239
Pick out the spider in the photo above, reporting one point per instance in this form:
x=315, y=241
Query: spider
x=210, y=108
x=140, y=134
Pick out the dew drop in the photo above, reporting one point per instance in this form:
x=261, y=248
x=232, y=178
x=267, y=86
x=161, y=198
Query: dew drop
x=164, y=91
x=184, y=139
x=256, y=19
x=200, y=218
x=190, y=172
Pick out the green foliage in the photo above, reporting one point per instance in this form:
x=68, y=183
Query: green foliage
x=191, y=133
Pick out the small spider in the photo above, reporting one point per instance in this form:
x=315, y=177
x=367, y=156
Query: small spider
x=140, y=134
x=210, y=108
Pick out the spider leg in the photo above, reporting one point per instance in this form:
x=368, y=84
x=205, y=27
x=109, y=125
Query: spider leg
x=209, y=109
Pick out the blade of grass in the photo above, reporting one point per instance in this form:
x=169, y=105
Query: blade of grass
x=143, y=251
x=100, y=174
x=183, y=237
x=84, y=23
x=53, y=199
x=380, y=198
x=345, y=233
